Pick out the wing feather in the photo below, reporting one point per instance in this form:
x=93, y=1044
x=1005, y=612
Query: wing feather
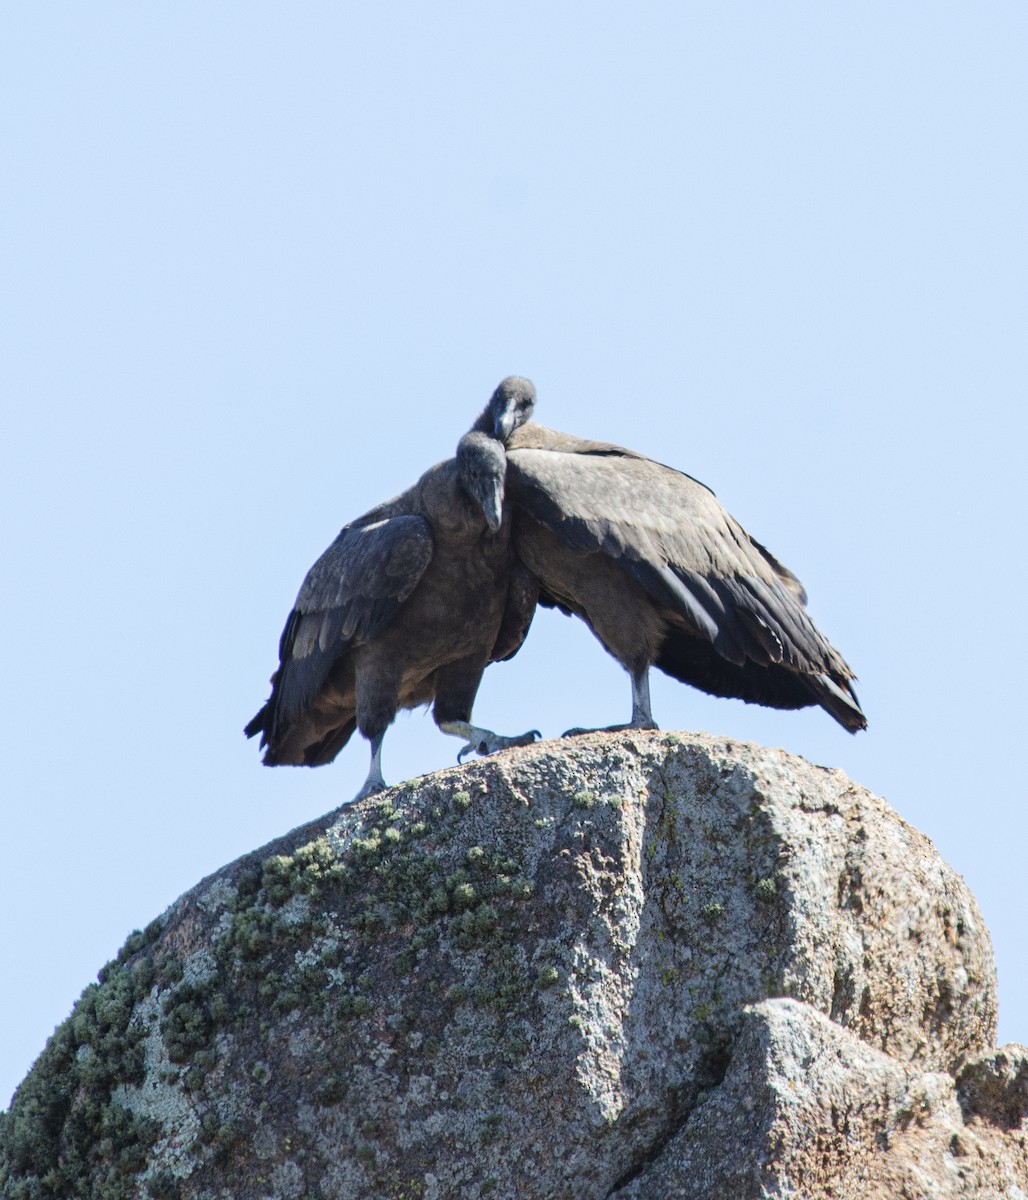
x=671, y=534
x=522, y=597
x=349, y=596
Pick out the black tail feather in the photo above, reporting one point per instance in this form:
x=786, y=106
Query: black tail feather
x=839, y=701
x=303, y=747
x=698, y=663
x=258, y=724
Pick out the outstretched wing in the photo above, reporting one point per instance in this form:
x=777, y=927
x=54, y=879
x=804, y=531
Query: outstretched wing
x=350, y=595
x=670, y=533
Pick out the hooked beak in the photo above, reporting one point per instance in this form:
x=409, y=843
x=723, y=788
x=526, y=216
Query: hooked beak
x=492, y=507
x=504, y=424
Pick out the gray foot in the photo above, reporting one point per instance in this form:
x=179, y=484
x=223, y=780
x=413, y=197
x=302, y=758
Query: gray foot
x=484, y=741
x=487, y=742
x=374, y=782
x=642, y=716
x=612, y=728
x=371, y=788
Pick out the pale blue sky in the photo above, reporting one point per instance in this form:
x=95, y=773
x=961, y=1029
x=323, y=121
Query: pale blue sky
x=261, y=266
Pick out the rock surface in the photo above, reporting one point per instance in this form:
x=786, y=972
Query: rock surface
x=807, y=1110
x=630, y=966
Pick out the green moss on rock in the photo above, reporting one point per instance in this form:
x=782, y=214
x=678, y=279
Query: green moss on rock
x=65, y=1136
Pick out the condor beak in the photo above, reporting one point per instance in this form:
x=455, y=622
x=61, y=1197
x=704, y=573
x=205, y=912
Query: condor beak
x=504, y=424
x=492, y=507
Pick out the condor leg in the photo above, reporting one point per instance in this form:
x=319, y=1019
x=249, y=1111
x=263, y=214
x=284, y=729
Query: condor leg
x=377, y=686
x=484, y=741
x=456, y=688
x=642, y=716
x=374, y=782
